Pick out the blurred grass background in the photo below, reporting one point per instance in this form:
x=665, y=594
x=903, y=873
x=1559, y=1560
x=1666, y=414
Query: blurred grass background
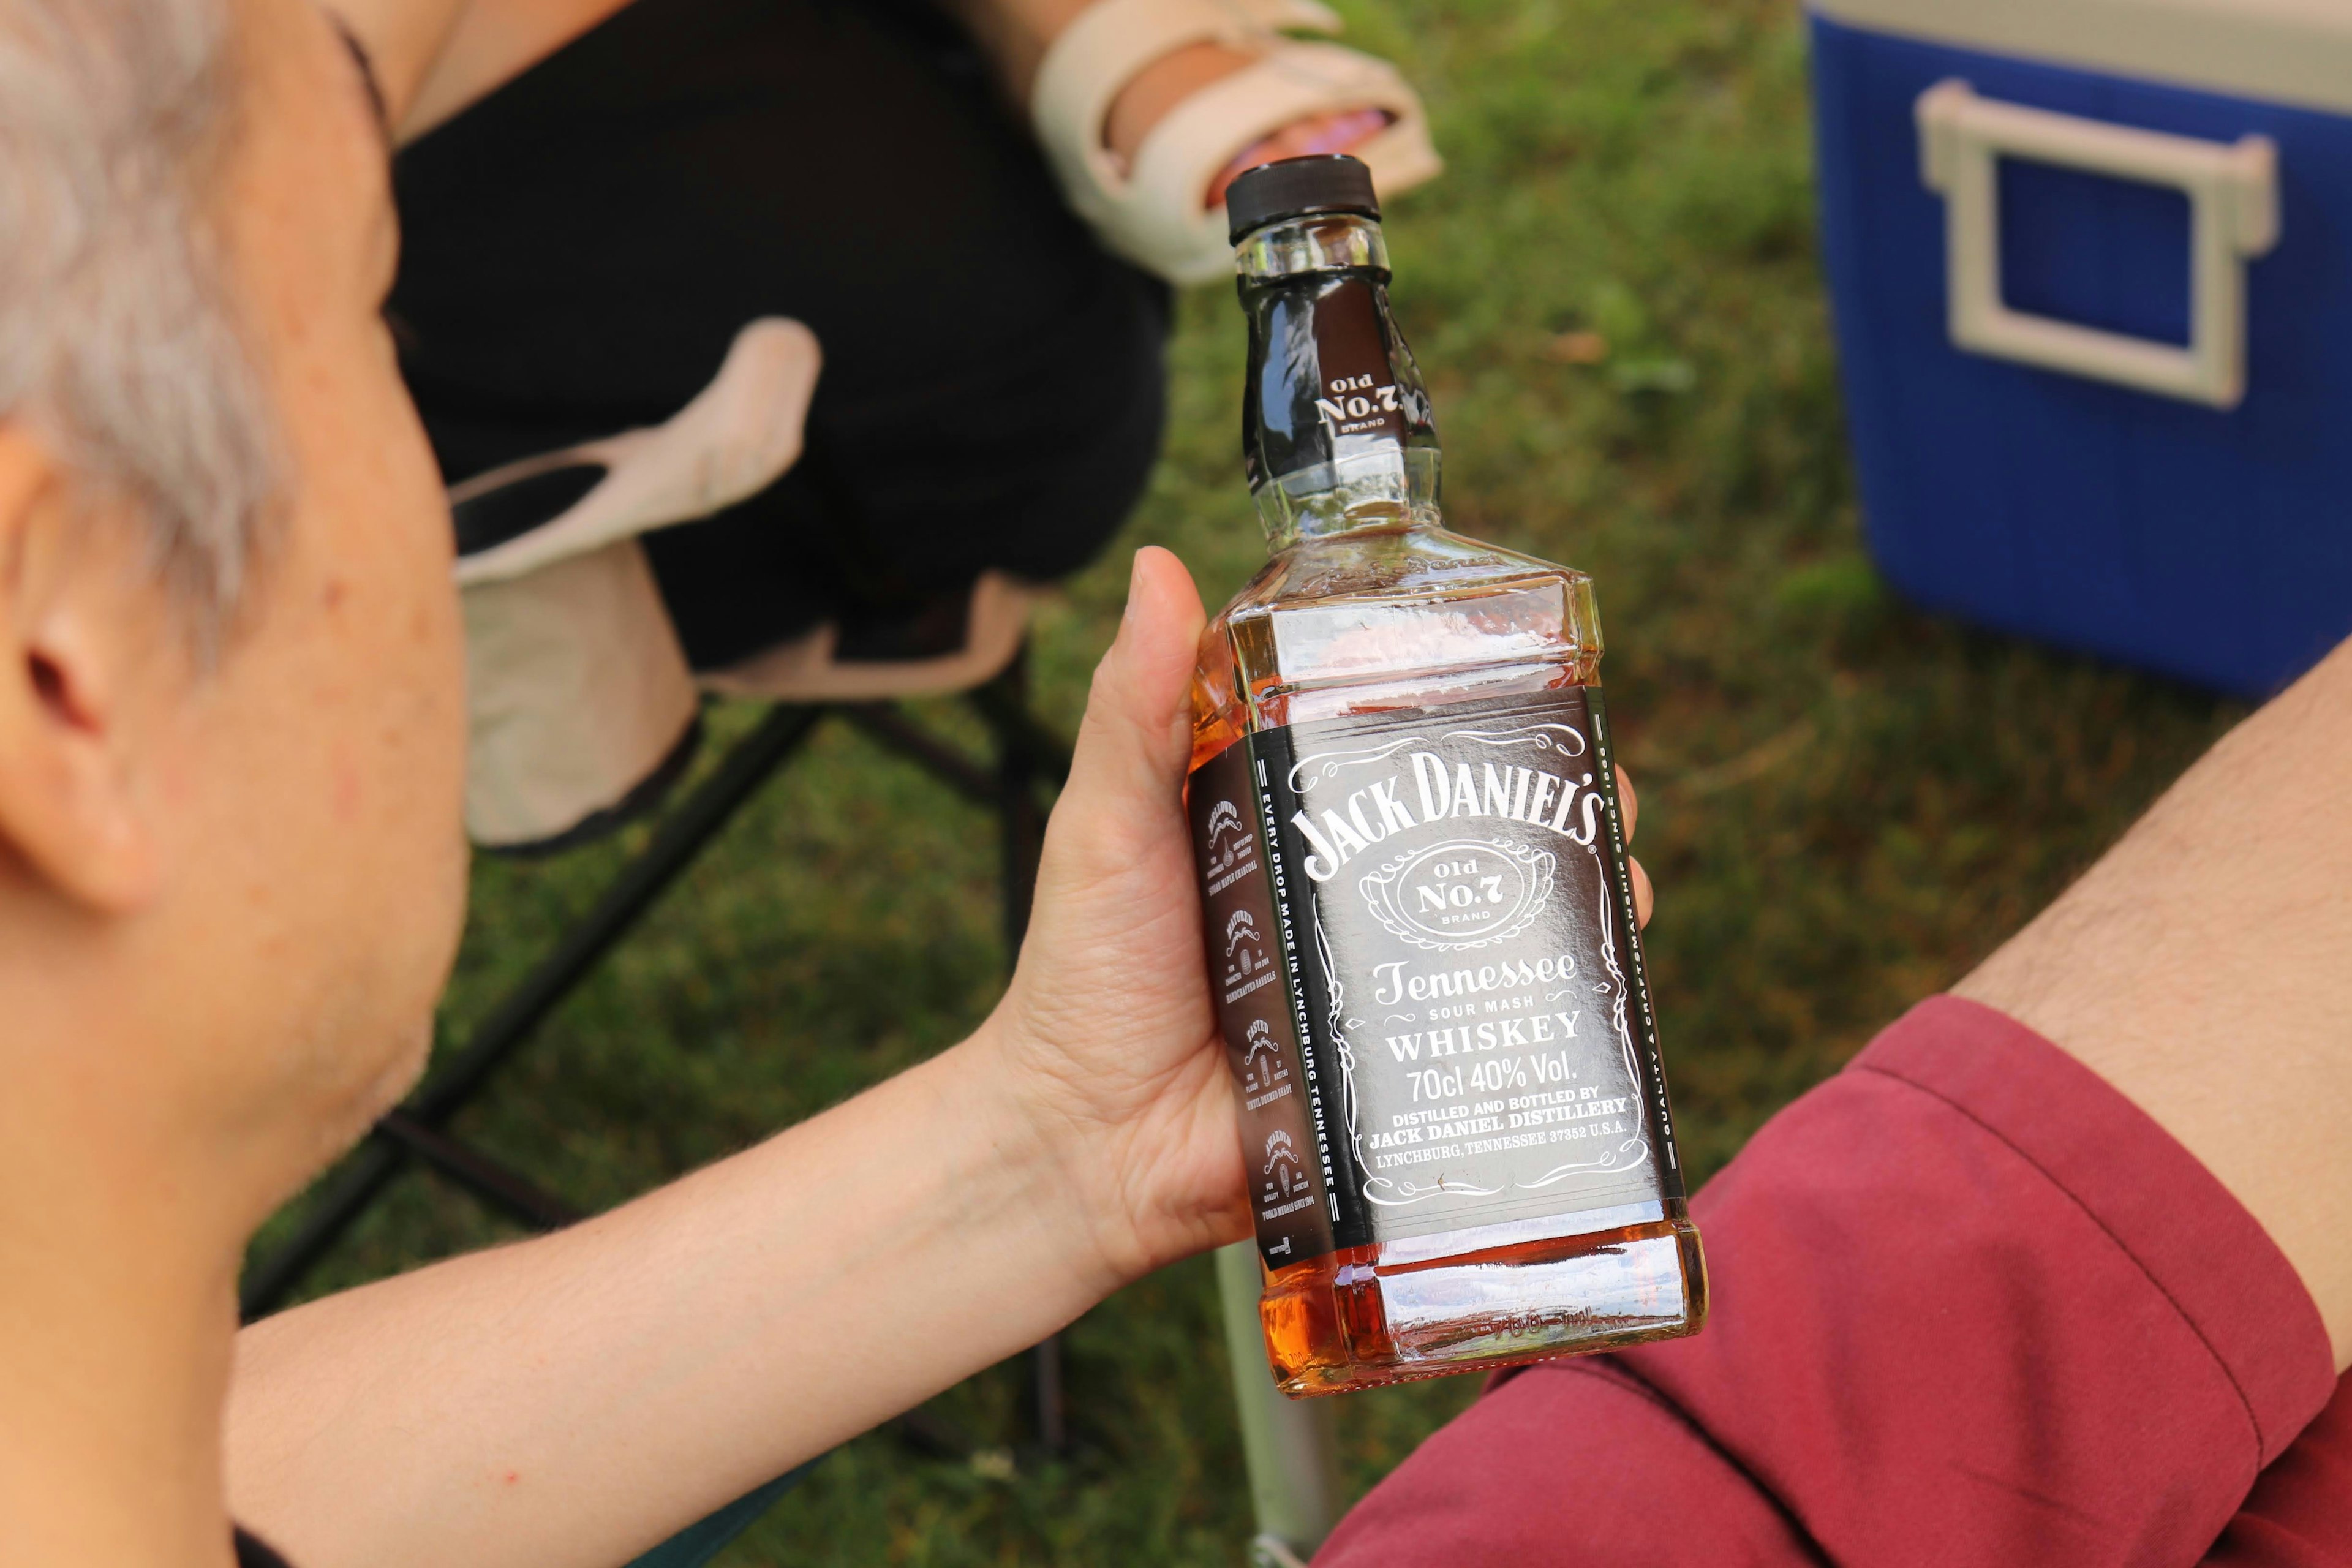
x=1615, y=294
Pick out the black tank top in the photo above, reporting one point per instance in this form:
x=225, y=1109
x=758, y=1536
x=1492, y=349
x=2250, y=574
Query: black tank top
x=581, y=245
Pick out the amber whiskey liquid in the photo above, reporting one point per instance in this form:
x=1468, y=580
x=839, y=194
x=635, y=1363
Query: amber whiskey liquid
x=1429, y=977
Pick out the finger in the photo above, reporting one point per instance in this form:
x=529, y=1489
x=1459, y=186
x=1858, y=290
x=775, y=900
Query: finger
x=1135, y=736
x=1630, y=805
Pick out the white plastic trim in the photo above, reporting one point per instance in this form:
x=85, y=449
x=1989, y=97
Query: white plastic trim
x=2232, y=190
x=2276, y=51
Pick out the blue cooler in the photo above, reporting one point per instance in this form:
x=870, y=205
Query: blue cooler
x=2091, y=267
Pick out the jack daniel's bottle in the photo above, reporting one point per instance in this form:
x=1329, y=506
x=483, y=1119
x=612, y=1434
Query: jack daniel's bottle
x=1420, y=930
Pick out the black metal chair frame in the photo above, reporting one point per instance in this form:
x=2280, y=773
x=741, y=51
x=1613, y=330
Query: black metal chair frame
x=1028, y=761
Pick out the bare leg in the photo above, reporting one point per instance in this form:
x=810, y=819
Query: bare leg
x=2204, y=969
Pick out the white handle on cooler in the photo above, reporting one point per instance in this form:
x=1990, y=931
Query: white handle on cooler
x=2232, y=190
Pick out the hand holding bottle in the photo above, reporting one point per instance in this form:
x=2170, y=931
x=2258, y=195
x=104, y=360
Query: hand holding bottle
x=1110, y=1049
x=775, y=1304
x=1106, y=1040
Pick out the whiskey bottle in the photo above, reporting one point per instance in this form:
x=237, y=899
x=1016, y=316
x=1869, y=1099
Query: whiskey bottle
x=1420, y=926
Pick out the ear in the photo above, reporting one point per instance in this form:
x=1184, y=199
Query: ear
x=73, y=639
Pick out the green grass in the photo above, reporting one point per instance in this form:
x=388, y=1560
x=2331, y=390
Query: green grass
x=1845, y=803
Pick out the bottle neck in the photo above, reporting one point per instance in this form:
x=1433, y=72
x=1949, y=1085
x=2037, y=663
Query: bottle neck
x=1338, y=436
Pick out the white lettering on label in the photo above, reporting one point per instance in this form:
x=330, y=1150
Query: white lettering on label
x=1571, y=807
x=1354, y=400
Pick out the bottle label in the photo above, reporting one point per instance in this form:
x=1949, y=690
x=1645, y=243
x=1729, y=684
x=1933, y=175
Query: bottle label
x=1356, y=393
x=1421, y=932
x=1330, y=381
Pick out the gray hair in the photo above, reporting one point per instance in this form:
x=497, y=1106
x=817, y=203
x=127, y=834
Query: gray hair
x=118, y=338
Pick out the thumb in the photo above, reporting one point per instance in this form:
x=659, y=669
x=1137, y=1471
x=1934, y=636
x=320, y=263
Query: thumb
x=1137, y=734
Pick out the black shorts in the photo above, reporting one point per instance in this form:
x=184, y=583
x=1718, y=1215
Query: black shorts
x=581, y=245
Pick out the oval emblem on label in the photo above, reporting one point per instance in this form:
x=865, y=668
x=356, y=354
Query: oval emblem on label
x=1461, y=893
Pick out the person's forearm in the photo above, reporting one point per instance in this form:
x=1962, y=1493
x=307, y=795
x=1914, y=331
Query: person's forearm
x=553, y=1402
x=576, y=1399
x=2204, y=968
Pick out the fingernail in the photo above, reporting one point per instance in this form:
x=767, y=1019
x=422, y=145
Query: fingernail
x=1134, y=586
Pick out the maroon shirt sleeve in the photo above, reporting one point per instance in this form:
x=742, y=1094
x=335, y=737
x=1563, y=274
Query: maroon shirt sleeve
x=2300, y=1513
x=1970, y=1306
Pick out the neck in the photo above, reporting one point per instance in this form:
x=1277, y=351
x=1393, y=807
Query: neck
x=118, y=1272
x=1389, y=492
x=1337, y=433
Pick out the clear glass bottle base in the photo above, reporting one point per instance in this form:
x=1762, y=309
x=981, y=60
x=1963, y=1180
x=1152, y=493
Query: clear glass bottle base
x=1349, y=1320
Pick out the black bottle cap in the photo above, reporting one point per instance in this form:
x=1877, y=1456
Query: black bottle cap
x=1327, y=183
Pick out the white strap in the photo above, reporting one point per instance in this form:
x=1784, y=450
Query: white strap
x=1295, y=16
x=807, y=670
x=733, y=441
x=1104, y=48
x=1159, y=221
x=1153, y=215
